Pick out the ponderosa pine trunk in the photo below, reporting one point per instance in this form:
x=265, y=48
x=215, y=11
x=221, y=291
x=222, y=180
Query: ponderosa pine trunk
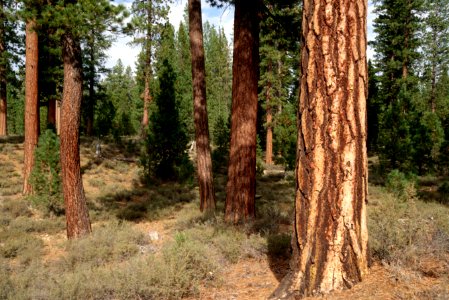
x=58, y=117
x=203, y=156
x=330, y=232
x=77, y=214
x=51, y=112
x=147, y=73
x=3, y=104
x=269, y=142
x=31, y=103
x=241, y=185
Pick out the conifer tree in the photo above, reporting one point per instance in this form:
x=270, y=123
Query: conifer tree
x=31, y=101
x=397, y=26
x=148, y=19
x=330, y=238
x=204, y=160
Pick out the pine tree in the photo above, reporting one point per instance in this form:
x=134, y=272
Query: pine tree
x=204, y=161
x=104, y=19
x=218, y=74
x=148, y=19
x=3, y=66
x=397, y=26
x=330, y=232
x=31, y=102
x=278, y=43
x=184, y=79
x=241, y=185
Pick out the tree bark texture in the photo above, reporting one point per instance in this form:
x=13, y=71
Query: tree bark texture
x=147, y=93
x=269, y=142
x=58, y=117
x=51, y=112
x=203, y=156
x=3, y=82
x=330, y=233
x=241, y=185
x=76, y=211
x=31, y=103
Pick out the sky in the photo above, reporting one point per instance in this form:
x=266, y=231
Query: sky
x=223, y=17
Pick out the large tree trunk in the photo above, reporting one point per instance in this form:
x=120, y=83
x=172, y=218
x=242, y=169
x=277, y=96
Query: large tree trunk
x=3, y=104
x=204, y=161
x=330, y=233
x=31, y=103
x=241, y=185
x=77, y=215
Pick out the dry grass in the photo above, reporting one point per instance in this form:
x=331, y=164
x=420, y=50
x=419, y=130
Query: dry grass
x=196, y=255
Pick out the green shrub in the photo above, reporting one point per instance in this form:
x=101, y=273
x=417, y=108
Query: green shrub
x=45, y=177
x=279, y=245
x=443, y=189
x=401, y=185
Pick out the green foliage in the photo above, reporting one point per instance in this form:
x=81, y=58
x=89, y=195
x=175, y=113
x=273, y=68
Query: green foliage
x=165, y=156
x=220, y=154
x=45, y=177
x=401, y=185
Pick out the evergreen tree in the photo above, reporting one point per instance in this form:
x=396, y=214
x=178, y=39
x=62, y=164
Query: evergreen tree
x=218, y=75
x=397, y=26
x=148, y=19
x=120, y=89
x=184, y=79
x=165, y=156
x=278, y=51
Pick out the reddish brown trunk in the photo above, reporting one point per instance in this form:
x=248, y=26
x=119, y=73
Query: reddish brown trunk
x=146, y=101
x=146, y=93
x=241, y=185
x=269, y=144
x=58, y=117
x=76, y=212
x=433, y=89
x=31, y=103
x=51, y=112
x=3, y=104
x=330, y=233
x=204, y=161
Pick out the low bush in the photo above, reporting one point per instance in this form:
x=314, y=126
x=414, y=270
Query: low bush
x=401, y=185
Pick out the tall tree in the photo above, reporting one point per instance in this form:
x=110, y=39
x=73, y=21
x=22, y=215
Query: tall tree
x=435, y=45
x=76, y=212
x=204, y=161
x=218, y=74
x=3, y=105
x=330, y=232
x=241, y=185
x=104, y=18
x=397, y=26
x=148, y=20
x=31, y=102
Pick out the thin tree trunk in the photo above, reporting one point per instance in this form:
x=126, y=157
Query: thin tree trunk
x=269, y=142
x=241, y=185
x=204, y=161
x=433, y=88
x=58, y=117
x=51, y=112
x=330, y=233
x=146, y=93
x=76, y=211
x=31, y=103
x=91, y=103
x=3, y=82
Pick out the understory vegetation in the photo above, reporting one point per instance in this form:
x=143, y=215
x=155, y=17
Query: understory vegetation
x=151, y=242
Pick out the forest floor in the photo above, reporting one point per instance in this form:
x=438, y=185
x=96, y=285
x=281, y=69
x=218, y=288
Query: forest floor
x=151, y=242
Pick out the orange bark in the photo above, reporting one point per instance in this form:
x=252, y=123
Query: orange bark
x=77, y=214
x=31, y=103
x=330, y=233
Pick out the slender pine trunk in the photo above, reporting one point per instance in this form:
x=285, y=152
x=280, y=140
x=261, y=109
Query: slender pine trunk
x=204, y=161
x=3, y=82
x=31, y=103
x=77, y=214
